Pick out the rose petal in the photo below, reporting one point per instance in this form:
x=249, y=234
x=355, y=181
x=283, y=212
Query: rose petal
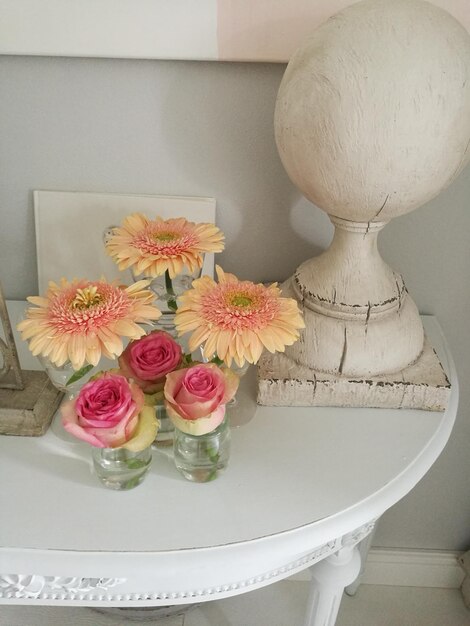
x=173, y=383
x=105, y=413
x=152, y=399
x=150, y=358
x=200, y=426
x=197, y=391
x=116, y=436
x=78, y=432
x=145, y=432
x=196, y=410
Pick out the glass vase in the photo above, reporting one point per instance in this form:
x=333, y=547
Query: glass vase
x=166, y=429
x=167, y=290
x=119, y=468
x=60, y=374
x=201, y=458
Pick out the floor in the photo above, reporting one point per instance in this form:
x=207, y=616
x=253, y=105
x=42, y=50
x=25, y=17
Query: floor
x=281, y=604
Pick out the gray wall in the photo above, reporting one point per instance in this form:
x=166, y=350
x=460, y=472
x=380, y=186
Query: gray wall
x=188, y=128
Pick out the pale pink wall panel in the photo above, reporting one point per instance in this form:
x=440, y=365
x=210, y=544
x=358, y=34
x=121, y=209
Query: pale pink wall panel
x=271, y=30
x=460, y=9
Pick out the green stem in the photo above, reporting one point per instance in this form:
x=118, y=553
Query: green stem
x=171, y=292
x=213, y=456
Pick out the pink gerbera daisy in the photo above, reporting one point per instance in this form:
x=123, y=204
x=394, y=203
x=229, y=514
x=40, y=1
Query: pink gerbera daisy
x=79, y=321
x=152, y=247
x=236, y=320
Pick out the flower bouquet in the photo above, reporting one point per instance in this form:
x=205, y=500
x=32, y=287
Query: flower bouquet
x=230, y=323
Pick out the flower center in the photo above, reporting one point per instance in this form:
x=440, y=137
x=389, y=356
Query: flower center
x=165, y=236
x=86, y=298
x=241, y=300
x=238, y=306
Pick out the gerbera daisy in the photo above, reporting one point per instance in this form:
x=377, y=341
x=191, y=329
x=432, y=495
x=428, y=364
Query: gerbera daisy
x=236, y=320
x=152, y=247
x=81, y=320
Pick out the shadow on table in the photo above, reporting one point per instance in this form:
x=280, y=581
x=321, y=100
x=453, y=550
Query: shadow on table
x=69, y=465
x=163, y=463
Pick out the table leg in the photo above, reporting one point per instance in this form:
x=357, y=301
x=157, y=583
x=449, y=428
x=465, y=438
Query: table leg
x=329, y=578
x=363, y=547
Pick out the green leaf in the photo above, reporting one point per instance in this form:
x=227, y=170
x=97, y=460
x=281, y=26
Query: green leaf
x=79, y=374
x=135, y=464
x=133, y=482
x=172, y=305
x=212, y=453
x=169, y=284
x=217, y=361
x=212, y=475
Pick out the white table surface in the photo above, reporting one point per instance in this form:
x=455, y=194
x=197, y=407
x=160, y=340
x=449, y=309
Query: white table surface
x=298, y=479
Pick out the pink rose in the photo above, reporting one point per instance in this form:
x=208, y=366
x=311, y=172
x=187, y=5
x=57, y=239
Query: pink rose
x=149, y=359
x=195, y=397
x=106, y=412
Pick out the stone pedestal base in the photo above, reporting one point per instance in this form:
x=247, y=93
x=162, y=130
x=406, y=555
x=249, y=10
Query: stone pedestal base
x=29, y=411
x=423, y=385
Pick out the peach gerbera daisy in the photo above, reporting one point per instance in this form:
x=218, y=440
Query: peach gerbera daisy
x=236, y=320
x=152, y=247
x=81, y=320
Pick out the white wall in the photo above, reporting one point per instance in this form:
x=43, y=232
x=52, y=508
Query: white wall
x=190, y=128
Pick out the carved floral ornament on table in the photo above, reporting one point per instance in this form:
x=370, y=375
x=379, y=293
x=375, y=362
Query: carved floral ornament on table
x=118, y=411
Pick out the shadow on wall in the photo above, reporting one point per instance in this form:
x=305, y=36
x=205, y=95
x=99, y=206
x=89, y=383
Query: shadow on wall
x=222, y=141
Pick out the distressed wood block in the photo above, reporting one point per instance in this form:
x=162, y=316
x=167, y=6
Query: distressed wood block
x=29, y=411
x=422, y=385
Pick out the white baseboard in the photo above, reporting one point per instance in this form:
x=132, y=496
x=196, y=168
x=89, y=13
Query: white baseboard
x=409, y=568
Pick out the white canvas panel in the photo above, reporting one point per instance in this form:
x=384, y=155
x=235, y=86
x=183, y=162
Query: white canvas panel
x=147, y=29
x=70, y=227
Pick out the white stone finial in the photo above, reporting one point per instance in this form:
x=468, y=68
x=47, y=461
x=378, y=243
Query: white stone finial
x=373, y=114
x=372, y=120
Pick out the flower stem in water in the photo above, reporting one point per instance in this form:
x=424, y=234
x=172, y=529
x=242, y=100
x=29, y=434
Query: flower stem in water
x=171, y=292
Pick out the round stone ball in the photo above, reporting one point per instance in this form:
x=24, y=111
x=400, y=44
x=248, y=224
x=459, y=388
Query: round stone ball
x=373, y=113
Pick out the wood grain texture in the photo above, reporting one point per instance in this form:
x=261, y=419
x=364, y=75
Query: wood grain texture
x=29, y=412
x=359, y=318
x=10, y=371
x=423, y=385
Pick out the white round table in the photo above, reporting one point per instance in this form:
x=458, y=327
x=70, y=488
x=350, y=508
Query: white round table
x=304, y=486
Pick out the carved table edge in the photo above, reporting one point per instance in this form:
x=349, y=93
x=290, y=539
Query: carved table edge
x=33, y=587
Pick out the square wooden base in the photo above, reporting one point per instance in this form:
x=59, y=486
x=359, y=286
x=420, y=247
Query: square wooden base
x=29, y=411
x=422, y=385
